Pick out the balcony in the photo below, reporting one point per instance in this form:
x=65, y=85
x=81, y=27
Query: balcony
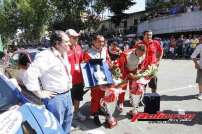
x=184, y=22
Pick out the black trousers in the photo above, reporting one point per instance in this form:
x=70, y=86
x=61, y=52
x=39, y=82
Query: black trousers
x=153, y=84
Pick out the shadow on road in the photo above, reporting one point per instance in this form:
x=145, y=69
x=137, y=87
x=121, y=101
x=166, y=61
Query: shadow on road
x=89, y=124
x=177, y=98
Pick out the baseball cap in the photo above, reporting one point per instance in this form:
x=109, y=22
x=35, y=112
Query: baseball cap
x=72, y=32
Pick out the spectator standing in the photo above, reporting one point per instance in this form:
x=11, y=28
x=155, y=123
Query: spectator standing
x=187, y=44
x=75, y=57
x=194, y=43
x=53, y=70
x=172, y=47
x=154, y=53
x=198, y=66
x=180, y=45
x=166, y=46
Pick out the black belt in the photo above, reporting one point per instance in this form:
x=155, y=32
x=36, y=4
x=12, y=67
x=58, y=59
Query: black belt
x=63, y=92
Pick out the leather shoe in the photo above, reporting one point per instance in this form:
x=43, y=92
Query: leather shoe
x=97, y=120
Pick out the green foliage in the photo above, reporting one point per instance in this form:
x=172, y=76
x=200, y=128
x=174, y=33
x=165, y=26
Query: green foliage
x=118, y=6
x=68, y=14
x=30, y=16
x=8, y=19
x=33, y=17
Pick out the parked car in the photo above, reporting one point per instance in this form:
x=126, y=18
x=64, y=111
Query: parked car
x=18, y=116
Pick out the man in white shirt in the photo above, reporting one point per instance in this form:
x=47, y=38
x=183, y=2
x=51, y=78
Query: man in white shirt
x=198, y=66
x=53, y=69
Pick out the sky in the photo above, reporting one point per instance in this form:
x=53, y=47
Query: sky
x=139, y=6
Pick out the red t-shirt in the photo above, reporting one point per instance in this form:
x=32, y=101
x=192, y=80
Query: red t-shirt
x=152, y=49
x=75, y=57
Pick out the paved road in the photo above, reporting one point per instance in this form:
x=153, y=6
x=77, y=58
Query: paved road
x=178, y=91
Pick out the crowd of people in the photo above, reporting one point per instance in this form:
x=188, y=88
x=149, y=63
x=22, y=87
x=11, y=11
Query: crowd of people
x=55, y=75
x=187, y=7
x=181, y=47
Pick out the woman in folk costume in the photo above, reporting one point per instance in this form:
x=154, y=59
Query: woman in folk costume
x=97, y=51
x=129, y=63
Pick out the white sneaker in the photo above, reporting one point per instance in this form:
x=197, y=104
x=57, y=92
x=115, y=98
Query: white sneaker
x=80, y=116
x=200, y=96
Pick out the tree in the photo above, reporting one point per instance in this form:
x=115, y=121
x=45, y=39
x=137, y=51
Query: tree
x=29, y=16
x=32, y=17
x=115, y=6
x=118, y=6
x=68, y=14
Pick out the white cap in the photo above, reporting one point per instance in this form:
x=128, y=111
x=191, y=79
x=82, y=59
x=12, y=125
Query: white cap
x=72, y=32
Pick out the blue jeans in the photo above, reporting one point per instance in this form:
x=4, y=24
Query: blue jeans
x=61, y=107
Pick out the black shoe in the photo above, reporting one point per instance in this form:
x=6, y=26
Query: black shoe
x=102, y=111
x=97, y=120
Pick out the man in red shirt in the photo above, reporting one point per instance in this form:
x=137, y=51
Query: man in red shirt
x=97, y=51
x=75, y=57
x=129, y=63
x=154, y=53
